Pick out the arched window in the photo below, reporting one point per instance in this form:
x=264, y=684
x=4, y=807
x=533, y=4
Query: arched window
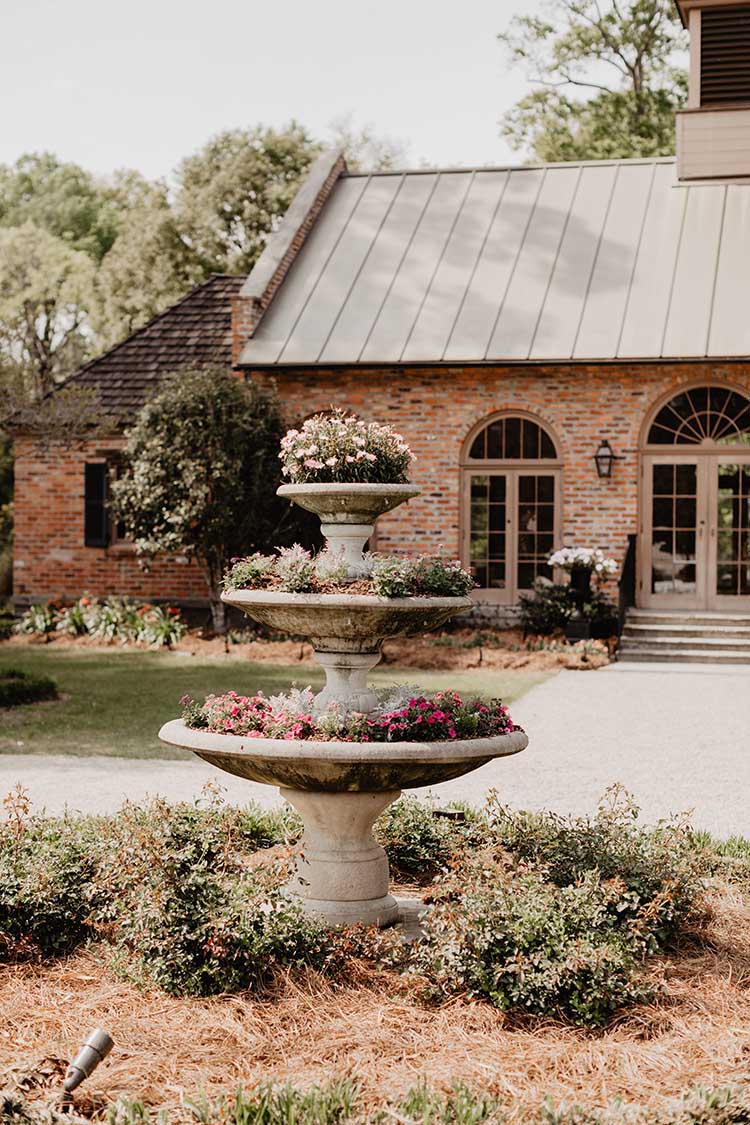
x=694, y=548
x=703, y=415
x=511, y=505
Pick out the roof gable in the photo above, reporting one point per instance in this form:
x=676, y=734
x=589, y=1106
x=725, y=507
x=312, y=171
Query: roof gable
x=599, y=260
x=194, y=332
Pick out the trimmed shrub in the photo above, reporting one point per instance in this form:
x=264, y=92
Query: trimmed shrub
x=549, y=608
x=47, y=867
x=419, y=841
x=19, y=687
x=529, y=946
x=662, y=868
x=184, y=909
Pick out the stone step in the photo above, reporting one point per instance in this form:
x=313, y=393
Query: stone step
x=646, y=629
x=658, y=617
x=686, y=656
x=706, y=644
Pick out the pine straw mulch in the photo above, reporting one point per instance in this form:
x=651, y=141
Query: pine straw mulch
x=372, y=1029
x=507, y=649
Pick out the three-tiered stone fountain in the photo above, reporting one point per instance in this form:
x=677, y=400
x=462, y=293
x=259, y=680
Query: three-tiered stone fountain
x=340, y=788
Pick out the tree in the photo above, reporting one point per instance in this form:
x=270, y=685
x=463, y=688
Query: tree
x=233, y=192
x=148, y=268
x=200, y=474
x=46, y=290
x=365, y=151
x=62, y=199
x=623, y=59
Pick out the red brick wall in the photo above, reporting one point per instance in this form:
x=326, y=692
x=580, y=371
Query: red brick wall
x=50, y=559
x=436, y=408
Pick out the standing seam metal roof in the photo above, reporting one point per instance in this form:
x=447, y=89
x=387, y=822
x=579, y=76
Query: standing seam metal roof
x=594, y=261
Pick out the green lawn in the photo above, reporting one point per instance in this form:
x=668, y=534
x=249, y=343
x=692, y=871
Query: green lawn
x=118, y=699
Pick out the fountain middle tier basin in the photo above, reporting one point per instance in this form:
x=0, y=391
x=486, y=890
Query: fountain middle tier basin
x=341, y=767
x=354, y=623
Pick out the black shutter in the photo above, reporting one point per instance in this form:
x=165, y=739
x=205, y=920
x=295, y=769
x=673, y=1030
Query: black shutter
x=725, y=55
x=96, y=515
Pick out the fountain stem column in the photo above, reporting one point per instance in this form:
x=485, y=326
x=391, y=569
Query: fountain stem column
x=342, y=873
x=348, y=540
x=346, y=680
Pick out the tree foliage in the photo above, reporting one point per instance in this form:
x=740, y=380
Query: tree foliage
x=234, y=191
x=200, y=473
x=46, y=290
x=608, y=80
x=60, y=198
x=366, y=150
x=148, y=268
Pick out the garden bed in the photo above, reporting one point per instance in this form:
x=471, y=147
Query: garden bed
x=457, y=649
x=310, y=1030
x=357, y=1014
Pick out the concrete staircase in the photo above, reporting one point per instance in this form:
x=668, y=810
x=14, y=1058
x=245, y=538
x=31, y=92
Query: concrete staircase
x=707, y=638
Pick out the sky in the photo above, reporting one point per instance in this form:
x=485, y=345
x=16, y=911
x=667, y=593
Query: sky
x=143, y=83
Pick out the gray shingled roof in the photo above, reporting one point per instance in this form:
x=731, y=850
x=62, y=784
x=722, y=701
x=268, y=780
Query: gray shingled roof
x=601, y=260
x=194, y=332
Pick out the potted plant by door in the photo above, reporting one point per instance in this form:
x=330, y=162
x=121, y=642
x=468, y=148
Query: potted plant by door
x=580, y=564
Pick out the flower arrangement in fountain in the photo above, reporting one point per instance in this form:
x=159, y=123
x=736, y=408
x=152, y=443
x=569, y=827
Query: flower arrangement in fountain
x=338, y=448
x=583, y=558
x=294, y=570
x=403, y=714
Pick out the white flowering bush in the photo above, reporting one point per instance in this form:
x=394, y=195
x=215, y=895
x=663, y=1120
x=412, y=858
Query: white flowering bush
x=339, y=448
x=583, y=558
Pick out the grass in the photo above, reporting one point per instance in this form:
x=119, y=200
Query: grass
x=114, y=701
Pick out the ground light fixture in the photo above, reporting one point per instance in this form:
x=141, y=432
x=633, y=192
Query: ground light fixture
x=94, y=1050
x=604, y=458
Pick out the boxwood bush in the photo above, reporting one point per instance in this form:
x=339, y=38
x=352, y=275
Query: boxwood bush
x=20, y=687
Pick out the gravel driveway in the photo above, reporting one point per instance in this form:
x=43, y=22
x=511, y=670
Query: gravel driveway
x=678, y=736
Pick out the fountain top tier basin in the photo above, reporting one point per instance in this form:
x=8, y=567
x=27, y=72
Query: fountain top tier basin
x=348, y=503
x=352, y=623
x=341, y=767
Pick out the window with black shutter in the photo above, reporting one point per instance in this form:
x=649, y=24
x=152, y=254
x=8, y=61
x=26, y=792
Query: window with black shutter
x=96, y=516
x=725, y=55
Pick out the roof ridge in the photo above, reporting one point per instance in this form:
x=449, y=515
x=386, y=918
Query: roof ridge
x=531, y=167
x=149, y=323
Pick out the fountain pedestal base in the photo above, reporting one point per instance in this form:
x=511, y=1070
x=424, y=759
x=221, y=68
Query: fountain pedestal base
x=342, y=873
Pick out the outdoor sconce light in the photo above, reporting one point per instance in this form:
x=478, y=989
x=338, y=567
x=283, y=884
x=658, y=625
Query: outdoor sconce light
x=604, y=458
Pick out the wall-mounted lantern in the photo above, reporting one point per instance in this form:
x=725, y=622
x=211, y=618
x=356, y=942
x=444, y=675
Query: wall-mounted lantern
x=604, y=458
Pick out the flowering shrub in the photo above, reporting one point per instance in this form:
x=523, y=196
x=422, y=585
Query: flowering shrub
x=583, y=558
x=111, y=619
x=294, y=570
x=339, y=448
x=412, y=717
x=392, y=577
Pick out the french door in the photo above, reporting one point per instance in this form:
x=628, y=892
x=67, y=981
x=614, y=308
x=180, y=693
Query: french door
x=695, y=531
x=512, y=526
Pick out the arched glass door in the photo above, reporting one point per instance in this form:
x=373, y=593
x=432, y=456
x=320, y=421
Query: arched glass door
x=510, y=506
x=695, y=503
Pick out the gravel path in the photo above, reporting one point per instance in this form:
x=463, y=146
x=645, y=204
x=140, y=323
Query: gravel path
x=678, y=736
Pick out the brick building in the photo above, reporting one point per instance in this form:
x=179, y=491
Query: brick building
x=513, y=324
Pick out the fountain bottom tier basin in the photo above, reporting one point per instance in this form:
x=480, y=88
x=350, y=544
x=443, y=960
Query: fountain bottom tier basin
x=339, y=789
